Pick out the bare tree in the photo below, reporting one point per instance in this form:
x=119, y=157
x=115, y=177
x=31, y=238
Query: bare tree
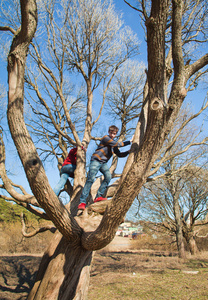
x=125, y=95
x=178, y=204
x=196, y=200
x=65, y=265
x=92, y=50
x=167, y=195
x=59, y=109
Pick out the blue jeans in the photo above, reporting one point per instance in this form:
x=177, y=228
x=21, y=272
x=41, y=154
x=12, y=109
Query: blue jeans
x=66, y=172
x=96, y=166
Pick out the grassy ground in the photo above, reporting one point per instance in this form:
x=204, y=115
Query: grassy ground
x=143, y=276
x=119, y=274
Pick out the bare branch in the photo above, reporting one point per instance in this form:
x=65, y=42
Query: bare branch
x=8, y=184
x=176, y=39
x=7, y=28
x=50, y=228
x=196, y=66
x=28, y=154
x=133, y=6
x=175, y=138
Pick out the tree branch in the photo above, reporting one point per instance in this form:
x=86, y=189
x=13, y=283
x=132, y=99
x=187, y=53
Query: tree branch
x=7, y=28
x=133, y=7
x=196, y=66
x=50, y=228
x=28, y=154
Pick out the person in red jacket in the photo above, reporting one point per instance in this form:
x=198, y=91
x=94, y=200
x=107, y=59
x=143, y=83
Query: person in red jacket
x=67, y=170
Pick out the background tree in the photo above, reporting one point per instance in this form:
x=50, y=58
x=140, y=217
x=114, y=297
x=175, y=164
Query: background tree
x=59, y=109
x=167, y=197
x=124, y=96
x=178, y=205
x=195, y=199
x=72, y=248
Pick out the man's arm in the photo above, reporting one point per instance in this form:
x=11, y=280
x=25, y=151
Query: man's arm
x=107, y=141
x=120, y=154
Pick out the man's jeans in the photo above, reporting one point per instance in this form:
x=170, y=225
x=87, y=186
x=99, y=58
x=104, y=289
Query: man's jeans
x=66, y=172
x=96, y=166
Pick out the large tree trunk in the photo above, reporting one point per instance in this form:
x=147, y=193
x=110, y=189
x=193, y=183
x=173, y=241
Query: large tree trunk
x=64, y=272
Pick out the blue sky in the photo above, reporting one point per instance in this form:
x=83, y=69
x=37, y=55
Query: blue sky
x=132, y=19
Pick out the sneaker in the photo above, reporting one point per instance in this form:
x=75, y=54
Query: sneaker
x=99, y=199
x=81, y=206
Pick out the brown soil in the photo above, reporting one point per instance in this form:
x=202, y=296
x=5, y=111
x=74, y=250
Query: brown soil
x=17, y=274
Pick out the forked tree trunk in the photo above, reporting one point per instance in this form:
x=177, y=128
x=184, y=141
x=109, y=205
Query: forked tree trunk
x=64, y=272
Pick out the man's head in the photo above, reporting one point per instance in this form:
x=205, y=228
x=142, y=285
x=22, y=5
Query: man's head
x=113, y=130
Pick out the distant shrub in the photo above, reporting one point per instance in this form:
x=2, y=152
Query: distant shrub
x=11, y=238
x=10, y=212
x=148, y=242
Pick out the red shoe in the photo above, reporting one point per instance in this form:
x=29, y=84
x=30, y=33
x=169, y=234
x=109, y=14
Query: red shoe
x=99, y=199
x=81, y=206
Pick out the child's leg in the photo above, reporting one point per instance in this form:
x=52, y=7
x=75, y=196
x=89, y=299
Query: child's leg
x=93, y=170
x=107, y=178
x=60, y=185
x=66, y=171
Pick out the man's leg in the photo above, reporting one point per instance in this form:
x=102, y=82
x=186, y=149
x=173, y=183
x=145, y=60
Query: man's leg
x=93, y=170
x=107, y=178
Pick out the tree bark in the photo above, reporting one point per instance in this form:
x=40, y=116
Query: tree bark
x=64, y=272
x=192, y=245
x=179, y=231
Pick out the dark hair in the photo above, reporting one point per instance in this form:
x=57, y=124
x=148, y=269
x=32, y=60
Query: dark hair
x=113, y=128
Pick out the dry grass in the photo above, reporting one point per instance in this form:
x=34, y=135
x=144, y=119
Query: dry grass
x=12, y=240
x=147, y=276
x=119, y=275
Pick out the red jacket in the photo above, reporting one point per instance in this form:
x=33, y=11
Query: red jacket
x=71, y=158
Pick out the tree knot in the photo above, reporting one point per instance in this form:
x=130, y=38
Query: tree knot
x=183, y=92
x=156, y=103
x=150, y=22
x=33, y=162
